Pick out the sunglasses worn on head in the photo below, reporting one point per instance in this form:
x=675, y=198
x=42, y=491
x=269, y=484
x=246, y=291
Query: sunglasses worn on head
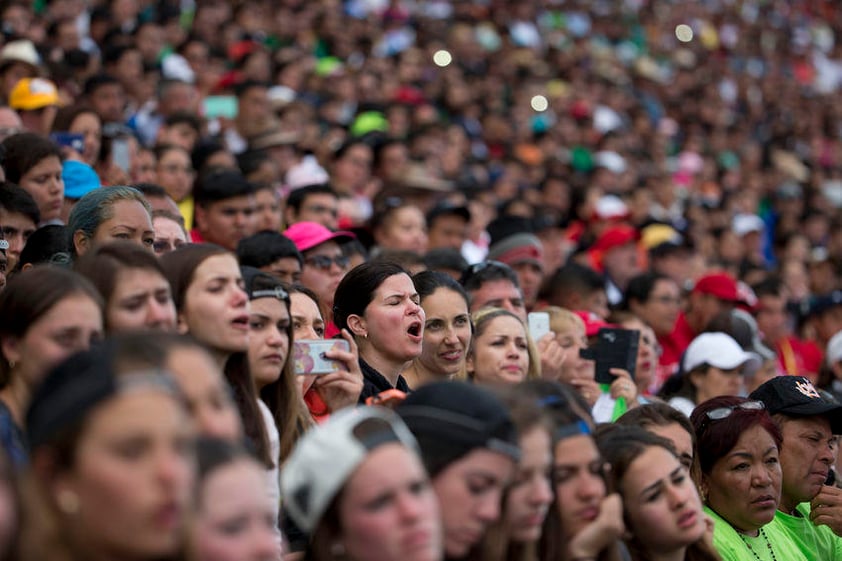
x=724, y=412
x=482, y=267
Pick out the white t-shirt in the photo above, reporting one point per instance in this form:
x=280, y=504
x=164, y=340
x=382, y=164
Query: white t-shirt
x=273, y=478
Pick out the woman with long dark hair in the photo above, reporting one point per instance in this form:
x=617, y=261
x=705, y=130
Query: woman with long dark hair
x=112, y=464
x=661, y=505
x=48, y=314
x=447, y=330
x=378, y=304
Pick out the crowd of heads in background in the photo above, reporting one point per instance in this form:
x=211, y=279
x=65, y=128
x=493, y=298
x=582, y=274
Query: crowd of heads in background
x=395, y=281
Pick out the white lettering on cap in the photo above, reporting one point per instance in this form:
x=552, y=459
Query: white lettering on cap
x=807, y=389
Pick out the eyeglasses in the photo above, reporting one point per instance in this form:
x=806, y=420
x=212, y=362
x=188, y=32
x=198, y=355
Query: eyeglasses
x=724, y=412
x=324, y=262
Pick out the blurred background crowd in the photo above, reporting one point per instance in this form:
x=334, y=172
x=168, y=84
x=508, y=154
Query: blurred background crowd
x=414, y=181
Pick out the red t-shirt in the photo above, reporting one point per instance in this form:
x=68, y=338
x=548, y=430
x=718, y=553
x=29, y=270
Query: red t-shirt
x=797, y=357
x=672, y=347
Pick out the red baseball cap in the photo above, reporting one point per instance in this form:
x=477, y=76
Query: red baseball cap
x=593, y=323
x=616, y=236
x=722, y=285
x=307, y=235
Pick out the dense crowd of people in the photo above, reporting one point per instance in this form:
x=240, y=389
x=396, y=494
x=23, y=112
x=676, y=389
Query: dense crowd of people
x=410, y=281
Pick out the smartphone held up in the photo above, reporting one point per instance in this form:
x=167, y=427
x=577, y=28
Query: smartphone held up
x=309, y=356
x=615, y=348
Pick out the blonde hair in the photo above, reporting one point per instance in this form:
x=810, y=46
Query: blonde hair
x=483, y=318
x=562, y=319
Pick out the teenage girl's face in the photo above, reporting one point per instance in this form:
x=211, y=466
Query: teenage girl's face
x=136, y=451
x=235, y=521
x=208, y=395
x=531, y=493
x=471, y=490
x=388, y=510
x=216, y=307
x=572, y=340
x=307, y=323
x=142, y=299
x=70, y=326
x=579, y=486
x=662, y=505
x=269, y=323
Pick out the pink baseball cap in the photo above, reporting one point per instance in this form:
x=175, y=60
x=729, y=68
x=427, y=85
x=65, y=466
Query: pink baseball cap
x=307, y=235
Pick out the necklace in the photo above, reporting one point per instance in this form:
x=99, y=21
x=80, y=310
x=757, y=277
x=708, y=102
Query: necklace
x=751, y=549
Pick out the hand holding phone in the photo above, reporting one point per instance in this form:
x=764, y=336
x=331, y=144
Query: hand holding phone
x=341, y=388
x=615, y=348
x=539, y=324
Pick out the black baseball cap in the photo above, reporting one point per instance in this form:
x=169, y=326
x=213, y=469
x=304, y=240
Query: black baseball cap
x=451, y=419
x=796, y=396
x=820, y=304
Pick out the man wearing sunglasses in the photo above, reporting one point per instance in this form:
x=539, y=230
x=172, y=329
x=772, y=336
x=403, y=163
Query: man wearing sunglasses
x=810, y=509
x=324, y=263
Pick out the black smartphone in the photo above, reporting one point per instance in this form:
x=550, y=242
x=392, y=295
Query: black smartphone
x=615, y=348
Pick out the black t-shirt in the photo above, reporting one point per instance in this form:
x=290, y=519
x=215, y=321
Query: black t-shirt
x=375, y=383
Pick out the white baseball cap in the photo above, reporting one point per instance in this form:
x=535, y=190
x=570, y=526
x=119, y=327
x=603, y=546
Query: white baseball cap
x=743, y=224
x=719, y=350
x=327, y=455
x=834, y=348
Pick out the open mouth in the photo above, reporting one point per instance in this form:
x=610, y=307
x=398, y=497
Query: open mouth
x=241, y=322
x=415, y=329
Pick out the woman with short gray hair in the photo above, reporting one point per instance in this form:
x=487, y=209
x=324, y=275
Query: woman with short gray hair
x=110, y=213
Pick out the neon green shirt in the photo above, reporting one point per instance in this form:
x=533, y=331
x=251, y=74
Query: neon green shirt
x=817, y=543
x=733, y=546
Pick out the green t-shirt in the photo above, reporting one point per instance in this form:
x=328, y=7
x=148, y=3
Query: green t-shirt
x=817, y=543
x=733, y=546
